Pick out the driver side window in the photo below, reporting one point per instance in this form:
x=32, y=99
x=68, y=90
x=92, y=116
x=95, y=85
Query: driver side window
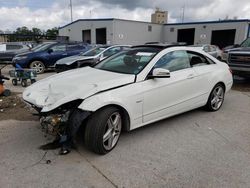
x=174, y=61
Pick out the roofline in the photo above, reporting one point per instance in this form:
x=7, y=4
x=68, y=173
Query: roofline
x=106, y=19
x=168, y=24
x=209, y=22
x=99, y=19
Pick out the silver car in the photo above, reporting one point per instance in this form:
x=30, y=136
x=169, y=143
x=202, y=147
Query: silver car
x=89, y=58
x=210, y=49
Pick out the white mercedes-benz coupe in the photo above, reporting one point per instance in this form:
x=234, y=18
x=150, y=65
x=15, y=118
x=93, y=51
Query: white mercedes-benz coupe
x=129, y=90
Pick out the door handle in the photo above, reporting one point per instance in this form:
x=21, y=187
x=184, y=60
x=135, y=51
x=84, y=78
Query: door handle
x=65, y=54
x=190, y=76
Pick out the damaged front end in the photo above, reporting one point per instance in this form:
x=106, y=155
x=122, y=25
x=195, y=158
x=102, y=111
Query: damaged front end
x=55, y=122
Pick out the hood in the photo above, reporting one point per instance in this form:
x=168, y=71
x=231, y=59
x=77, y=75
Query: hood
x=27, y=53
x=59, y=89
x=24, y=53
x=240, y=50
x=72, y=59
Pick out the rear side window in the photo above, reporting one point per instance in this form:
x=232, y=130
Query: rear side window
x=197, y=59
x=174, y=61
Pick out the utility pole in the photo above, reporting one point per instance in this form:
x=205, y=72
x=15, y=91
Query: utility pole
x=183, y=13
x=71, y=10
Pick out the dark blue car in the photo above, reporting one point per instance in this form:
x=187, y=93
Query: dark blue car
x=45, y=55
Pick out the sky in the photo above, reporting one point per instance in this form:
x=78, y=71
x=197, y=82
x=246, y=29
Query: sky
x=45, y=14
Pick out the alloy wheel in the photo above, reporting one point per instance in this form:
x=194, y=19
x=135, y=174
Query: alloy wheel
x=38, y=66
x=112, y=131
x=217, y=97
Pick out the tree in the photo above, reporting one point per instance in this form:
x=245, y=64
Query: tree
x=52, y=33
x=22, y=34
x=35, y=34
x=36, y=31
x=23, y=31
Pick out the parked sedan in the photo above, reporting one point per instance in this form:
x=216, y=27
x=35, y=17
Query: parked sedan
x=10, y=50
x=89, y=58
x=213, y=50
x=129, y=90
x=45, y=56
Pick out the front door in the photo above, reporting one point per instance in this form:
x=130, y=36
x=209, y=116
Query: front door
x=164, y=97
x=57, y=52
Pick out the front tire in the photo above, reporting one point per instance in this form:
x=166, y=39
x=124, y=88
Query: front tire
x=216, y=98
x=14, y=82
x=103, y=130
x=38, y=66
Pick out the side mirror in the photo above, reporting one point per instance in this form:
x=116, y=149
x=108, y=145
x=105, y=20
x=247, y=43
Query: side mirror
x=50, y=51
x=236, y=46
x=160, y=73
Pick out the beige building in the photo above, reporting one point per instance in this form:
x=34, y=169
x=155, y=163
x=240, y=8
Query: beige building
x=3, y=38
x=159, y=17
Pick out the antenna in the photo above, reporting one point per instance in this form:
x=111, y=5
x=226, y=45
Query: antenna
x=71, y=10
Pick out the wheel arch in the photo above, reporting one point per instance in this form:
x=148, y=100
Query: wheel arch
x=223, y=84
x=125, y=115
x=37, y=59
x=220, y=82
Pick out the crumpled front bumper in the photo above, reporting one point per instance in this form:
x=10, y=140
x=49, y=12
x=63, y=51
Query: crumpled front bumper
x=54, y=124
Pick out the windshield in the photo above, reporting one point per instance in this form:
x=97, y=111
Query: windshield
x=246, y=43
x=93, y=51
x=41, y=47
x=128, y=62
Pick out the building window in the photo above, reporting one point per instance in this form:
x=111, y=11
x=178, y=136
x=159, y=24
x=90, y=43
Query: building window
x=149, y=28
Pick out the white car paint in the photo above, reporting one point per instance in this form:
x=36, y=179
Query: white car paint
x=145, y=100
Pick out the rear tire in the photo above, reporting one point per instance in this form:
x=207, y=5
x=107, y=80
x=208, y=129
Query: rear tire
x=24, y=83
x=103, y=130
x=216, y=98
x=38, y=66
x=14, y=82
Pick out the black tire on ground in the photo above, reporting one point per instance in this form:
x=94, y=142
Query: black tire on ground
x=24, y=83
x=97, y=127
x=6, y=93
x=38, y=66
x=14, y=82
x=33, y=81
x=211, y=106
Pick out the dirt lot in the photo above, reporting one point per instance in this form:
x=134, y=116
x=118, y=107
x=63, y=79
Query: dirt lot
x=13, y=107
